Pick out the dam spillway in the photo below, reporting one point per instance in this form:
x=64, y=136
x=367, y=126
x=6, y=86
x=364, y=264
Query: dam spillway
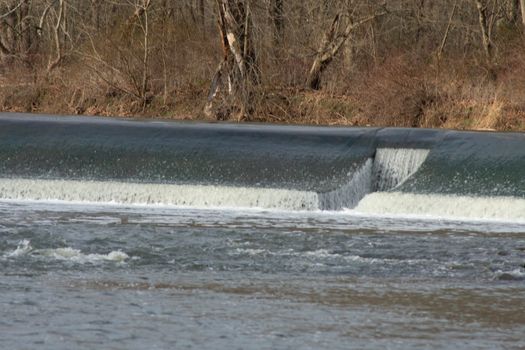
x=144, y=234
x=371, y=170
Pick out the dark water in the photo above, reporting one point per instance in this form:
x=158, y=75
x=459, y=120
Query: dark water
x=318, y=159
x=111, y=277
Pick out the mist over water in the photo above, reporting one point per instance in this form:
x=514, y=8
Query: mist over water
x=133, y=235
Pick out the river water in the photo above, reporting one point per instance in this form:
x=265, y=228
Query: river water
x=155, y=235
x=134, y=277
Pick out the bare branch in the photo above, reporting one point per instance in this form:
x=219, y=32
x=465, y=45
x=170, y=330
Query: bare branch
x=13, y=10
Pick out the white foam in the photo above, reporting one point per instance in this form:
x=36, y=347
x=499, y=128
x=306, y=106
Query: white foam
x=443, y=206
x=76, y=255
x=320, y=253
x=250, y=251
x=24, y=248
x=162, y=194
x=392, y=166
x=327, y=254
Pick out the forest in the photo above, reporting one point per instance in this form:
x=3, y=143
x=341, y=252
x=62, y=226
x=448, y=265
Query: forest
x=408, y=63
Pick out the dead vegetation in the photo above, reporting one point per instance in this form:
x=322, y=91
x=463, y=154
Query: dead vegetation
x=412, y=63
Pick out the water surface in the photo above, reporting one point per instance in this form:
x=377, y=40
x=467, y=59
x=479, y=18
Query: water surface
x=134, y=277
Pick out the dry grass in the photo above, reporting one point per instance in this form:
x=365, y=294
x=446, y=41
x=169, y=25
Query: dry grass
x=386, y=74
x=402, y=91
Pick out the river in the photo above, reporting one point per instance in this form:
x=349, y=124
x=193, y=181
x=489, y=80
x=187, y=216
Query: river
x=367, y=247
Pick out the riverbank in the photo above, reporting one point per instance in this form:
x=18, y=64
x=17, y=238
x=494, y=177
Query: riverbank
x=398, y=93
x=447, y=65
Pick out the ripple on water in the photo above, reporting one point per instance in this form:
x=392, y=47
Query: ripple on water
x=24, y=248
x=186, y=277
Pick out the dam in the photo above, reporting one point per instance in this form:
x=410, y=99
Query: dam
x=379, y=171
x=141, y=234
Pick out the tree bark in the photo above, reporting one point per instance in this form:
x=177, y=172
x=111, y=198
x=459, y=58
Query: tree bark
x=145, y=57
x=95, y=13
x=513, y=10
x=26, y=29
x=202, y=14
x=447, y=31
x=56, y=37
x=5, y=12
x=331, y=43
x=419, y=15
x=522, y=6
x=484, y=26
x=237, y=73
x=3, y=48
x=277, y=16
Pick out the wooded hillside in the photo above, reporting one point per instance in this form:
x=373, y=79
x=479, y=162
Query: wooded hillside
x=421, y=63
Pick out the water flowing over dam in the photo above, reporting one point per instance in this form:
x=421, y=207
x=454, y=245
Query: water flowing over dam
x=377, y=171
x=133, y=234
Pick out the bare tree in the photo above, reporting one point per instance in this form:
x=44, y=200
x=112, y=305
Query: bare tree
x=332, y=42
x=129, y=55
x=95, y=13
x=441, y=47
x=143, y=7
x=8, y=28
x=277, y=16
x=238, y=72
x=522, y=6
x=485, y=29
x=487, y=18
x=57, y=27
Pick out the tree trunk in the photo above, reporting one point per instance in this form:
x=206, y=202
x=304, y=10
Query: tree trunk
x=26, y=29
x=513, y=10
x=5, y=50
x=447, y=31
x=95, y=14
x=522, y=6
x=332, y=42
x=56, y=37
x=324, y=55
x=145, y=57
x=11, y=37
x=349, y=52
x=15, y=30
x=419, y=14
x=202, y=13
x=277, y=16
x=484, y=26
x=237, y=73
